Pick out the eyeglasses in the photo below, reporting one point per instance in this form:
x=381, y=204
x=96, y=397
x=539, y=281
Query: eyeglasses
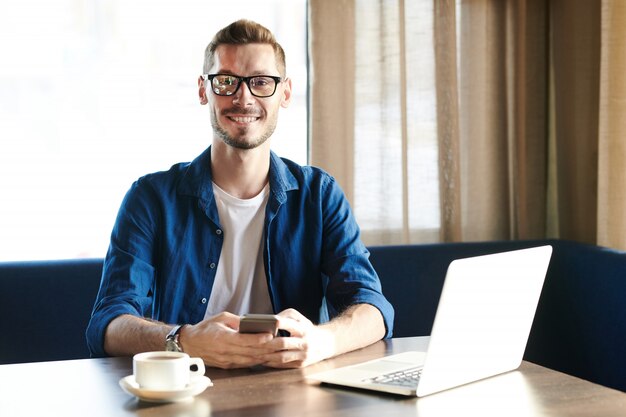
x=227, y=84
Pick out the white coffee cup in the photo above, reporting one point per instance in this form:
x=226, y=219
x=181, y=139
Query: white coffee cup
x=165, y=371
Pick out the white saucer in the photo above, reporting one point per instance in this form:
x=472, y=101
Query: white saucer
x=195, y=387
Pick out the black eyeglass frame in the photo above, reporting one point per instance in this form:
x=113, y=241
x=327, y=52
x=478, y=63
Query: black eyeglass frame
x=209, y=78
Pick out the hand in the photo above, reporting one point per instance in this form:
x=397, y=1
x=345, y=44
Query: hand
x=218, y=342
x=307, y=343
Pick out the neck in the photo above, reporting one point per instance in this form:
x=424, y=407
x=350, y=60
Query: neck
x=242, y=173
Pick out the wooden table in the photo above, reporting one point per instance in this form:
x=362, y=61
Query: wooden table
x=90, y=388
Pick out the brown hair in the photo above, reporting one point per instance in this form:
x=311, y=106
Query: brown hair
x=243, y=32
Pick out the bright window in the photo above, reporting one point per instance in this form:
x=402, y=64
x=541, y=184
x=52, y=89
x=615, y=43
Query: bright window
x=94, y=94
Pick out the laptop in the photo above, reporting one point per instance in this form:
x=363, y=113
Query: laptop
x=481, y=328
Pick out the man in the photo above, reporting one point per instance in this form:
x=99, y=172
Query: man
x=238, y=230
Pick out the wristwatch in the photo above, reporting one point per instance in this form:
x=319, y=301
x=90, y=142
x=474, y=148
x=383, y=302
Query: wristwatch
x=171, y=340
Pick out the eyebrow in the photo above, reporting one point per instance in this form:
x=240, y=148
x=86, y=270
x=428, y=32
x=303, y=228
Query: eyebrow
x=252, y=74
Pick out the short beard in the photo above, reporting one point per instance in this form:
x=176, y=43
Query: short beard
x=241, y=143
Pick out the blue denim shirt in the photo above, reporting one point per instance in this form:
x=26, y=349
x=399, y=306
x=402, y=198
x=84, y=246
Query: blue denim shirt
x=167, y=240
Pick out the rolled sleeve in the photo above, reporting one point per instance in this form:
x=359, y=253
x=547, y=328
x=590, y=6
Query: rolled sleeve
x=351, y=277
x=125, y=289
x=128, y=276
x=355, y=282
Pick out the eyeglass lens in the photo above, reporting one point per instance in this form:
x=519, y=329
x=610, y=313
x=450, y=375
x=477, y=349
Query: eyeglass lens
x=226, y=85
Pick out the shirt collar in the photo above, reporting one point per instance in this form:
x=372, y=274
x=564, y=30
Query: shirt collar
x=197, y=178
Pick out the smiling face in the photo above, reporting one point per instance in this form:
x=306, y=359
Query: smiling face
x=242, y=120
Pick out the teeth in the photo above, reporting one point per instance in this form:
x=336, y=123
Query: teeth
x=243, y=119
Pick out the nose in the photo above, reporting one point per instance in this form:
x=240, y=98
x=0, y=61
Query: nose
x=243, y=96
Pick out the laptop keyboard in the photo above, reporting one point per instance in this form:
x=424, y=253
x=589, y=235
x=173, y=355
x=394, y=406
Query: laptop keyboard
x=405, y=378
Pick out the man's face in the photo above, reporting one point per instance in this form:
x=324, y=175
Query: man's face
x=242, y=120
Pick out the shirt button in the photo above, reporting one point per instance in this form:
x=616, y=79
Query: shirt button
x=212, y=266
x=218, y=231
x=203, y=301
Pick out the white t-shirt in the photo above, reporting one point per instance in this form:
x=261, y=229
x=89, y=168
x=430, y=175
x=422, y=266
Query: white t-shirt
x=240, y=284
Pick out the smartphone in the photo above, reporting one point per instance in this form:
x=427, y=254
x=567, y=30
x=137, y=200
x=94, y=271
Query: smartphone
x=259, y=323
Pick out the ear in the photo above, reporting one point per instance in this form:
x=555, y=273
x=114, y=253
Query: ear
x=286, y=99
x=202, y=91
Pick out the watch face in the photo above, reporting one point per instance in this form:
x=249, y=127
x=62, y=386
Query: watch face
x=172, y=346
x=171, y=340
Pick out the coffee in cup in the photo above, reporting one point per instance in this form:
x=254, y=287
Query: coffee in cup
x=165, y=371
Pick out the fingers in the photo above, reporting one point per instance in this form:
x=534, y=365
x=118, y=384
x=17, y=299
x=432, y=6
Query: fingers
x=287, y=359
x=313, y=345
x=294, y=322
x=292, y=313
x=292, y=352
x=230, y=360
x=228, y=319
x=217, y=341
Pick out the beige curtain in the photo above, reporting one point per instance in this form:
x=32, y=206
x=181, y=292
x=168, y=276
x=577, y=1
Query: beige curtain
x=589, y=81
x=576, y=68
x=611, y=218
x=473, y=119
x=503, y=119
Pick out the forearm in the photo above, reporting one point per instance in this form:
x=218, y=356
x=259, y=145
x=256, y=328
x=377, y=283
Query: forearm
x=127, y=335
x=359, y=326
